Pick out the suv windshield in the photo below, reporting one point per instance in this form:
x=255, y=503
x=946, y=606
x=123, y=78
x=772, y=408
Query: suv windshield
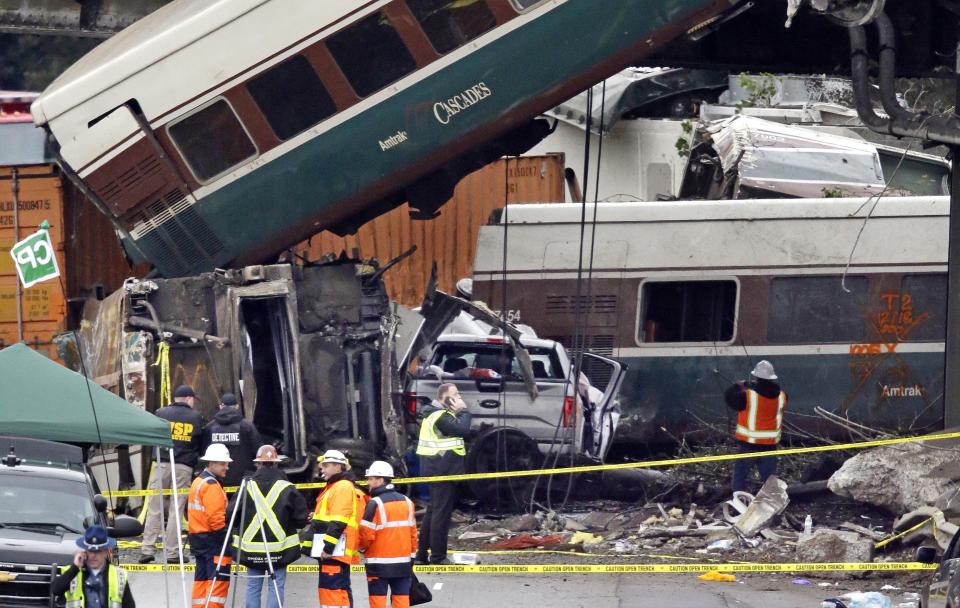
x=40, y=502
x=461, y=358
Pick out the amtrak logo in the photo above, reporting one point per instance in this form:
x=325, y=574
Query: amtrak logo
x=446, y=110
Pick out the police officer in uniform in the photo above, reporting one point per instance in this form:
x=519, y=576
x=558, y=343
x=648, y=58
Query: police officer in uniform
x=275, y=502
x=230, y=428
x=92, y=581
x=442, y=450
x=186, y=431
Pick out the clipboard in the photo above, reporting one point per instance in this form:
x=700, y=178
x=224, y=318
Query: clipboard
x=338, y=551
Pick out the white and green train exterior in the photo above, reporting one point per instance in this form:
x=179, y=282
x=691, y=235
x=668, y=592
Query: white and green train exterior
x=690, y=295
x=219, y=132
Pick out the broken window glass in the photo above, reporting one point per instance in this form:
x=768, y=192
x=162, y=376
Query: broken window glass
x=809, y=310
x=291, y=97
x=371, y=54
x=212, y=140
x=921, y=311
x=687, y=311
x=450, y=24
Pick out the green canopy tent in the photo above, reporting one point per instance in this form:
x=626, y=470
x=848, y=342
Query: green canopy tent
x=44, y=400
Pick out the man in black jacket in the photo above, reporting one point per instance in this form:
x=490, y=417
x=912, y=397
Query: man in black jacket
x=442, y=451
x=284, y=511
x=230, y=428
x=186, y=431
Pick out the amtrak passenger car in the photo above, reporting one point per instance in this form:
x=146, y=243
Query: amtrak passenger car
x=219, y=132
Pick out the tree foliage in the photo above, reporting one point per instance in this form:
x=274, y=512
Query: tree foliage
x=30, y=63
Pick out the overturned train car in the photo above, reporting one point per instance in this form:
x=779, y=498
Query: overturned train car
x=308, y=350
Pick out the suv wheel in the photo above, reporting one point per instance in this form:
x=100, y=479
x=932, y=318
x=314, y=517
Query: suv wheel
x=503, y=449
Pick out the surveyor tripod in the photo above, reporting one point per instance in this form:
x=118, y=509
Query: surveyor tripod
x=262, y=508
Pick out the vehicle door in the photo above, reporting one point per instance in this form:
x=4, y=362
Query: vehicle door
x=599, y=413
x=943, y=589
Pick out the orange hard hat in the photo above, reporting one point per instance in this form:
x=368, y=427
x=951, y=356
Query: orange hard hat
x=267, y=453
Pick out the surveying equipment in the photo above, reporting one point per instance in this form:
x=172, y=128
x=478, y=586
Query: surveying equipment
x=262, y=508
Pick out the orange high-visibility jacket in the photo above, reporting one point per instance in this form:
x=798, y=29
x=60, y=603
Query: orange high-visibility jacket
x=388, y=534
x=338, y=512
x=760, y=421
x=206, y=513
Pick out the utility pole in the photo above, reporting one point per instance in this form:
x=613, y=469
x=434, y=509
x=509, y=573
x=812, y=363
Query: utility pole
x=951, y=368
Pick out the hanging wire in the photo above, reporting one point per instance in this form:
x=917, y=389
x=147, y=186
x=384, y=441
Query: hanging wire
x=876, y=201
x=86, y=381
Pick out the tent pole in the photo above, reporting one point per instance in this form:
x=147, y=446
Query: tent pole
x=176, y=510
x=163, y=553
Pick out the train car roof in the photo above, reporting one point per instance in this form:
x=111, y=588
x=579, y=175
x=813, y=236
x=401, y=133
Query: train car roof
x=149, y=40
x=712, y=210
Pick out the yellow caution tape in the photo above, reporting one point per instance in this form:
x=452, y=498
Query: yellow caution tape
x=671, y=462
x=890, y=539
x=596, y=568
x=163, y=361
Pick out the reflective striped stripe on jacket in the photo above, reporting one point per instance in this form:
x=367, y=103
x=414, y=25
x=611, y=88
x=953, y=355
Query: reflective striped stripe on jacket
x=277, y=539
x=341, y=503
x=759, y=422
x=432, y=443
x=388, y=533
x=116, y=584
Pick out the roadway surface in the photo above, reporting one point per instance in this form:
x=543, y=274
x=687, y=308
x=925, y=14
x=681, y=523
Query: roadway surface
x=569, y=591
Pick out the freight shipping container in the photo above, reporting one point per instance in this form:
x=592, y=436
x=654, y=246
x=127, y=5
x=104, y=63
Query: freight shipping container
x=89, y=255
x=450, y=240
x=40, y=312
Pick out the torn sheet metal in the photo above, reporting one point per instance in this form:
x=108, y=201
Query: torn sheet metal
x=633, y=89
x=795, y=162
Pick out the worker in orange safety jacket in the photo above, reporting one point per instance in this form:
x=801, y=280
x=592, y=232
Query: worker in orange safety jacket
x=760, y=404
x=207, y=519
x=388, y=539
x=335, y=528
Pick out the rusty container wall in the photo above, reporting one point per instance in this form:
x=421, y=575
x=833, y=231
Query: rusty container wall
x=93, y=250
x=44, y=305
x=451, y=238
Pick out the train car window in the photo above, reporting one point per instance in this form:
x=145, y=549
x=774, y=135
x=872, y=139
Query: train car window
x=291, y=97
x=522, y=5
x=371, y=54
x=806, y=310
x=452, y=23
x=920, y=311
x=212, y=140
x=687, y=311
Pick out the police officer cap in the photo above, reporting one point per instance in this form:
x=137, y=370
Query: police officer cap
x=183, y=391
x=228, y=399
x=96, y=539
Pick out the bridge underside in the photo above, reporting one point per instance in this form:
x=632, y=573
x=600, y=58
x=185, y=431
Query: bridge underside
x=90, y=18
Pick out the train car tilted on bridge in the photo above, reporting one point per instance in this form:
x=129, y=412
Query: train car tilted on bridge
x=217, y=133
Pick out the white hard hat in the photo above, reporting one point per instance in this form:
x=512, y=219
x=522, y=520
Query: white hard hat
x=335, y=456
x=379, y=468
x=764, y=371
x=217, y=452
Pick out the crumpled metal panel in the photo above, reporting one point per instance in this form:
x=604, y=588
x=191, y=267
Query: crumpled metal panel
x=794, y=161
x=136, y=359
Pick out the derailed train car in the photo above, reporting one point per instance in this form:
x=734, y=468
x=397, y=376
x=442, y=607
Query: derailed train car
x=309, y=350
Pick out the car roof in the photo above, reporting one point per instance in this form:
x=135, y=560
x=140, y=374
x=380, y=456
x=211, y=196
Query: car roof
x=50, y=470
x=474, y=339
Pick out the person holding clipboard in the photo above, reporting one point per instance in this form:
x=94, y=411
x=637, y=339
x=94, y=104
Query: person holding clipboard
x=336, y=532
